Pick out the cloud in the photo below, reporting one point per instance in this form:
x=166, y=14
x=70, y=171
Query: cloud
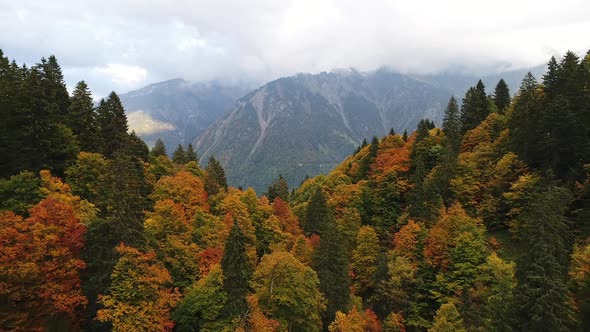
x=121, y=45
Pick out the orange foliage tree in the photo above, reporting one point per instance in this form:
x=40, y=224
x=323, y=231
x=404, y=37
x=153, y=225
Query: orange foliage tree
x=40, y=265
x=138, y=299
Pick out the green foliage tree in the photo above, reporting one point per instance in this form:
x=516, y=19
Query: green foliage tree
x=179, y=155
x=113, y=125
x=215, y=179
x=452, y=123
x=159, y=149
x=317, y=214
x=279, y=188
x=542, y=302
x=474, y=108
x=502, y=96
x=331, y=264
x=447, y=319
x=236, y=273
x=83, y=119
x=201, y=307
x=191, y=154
x=287, y=291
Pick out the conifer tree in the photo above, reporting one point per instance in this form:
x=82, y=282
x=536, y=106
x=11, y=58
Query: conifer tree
x=331, y=265
x=452, y=123
x=137, y=147
x=113, y=125
x=236, y=273
x=523, y=122
x=317, y=214
x=474, y=108
x=191, y=155
x=83, y=118
x=179, y=155
x=279, y=188
x=542, y=302
x=405, y=135
x=159, y=149
x=502, y=96
x=215, y=179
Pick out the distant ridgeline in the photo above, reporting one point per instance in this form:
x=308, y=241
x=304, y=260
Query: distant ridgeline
x=482, y=224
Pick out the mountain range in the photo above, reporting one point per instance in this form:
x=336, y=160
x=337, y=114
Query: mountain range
x=178, y=111
x=295, y=126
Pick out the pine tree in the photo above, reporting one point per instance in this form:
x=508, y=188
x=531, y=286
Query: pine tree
x=159, y=149
x=236, y=273
x=502, y=96
x=317, y=214
x=179, y=155
x=279, y=188
x=83, y=118
x=474, y=108
x=191, y=155
x=405, y=135
x=331, y=264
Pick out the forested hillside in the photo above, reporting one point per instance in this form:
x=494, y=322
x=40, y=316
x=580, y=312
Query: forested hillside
x=481, y=225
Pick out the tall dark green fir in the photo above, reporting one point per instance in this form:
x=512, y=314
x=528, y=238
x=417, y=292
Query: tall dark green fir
x=236, y=273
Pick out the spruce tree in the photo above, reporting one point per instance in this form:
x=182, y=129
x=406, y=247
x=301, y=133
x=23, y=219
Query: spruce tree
x=236, y=273
x=83, y=118
x=405, y=135
x=317, y=214
x=451, y=125
x=179, y=155
x=524, y=121
x=113, y=125
x=137, y=147
x=330, y=261
x=279, y=188
x=191, y=155
x=502, y=96
x=159, y=149
x=474, y=108
x=215, y=179
x=542, y=302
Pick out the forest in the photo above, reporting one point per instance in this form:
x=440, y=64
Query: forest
x=480, y=225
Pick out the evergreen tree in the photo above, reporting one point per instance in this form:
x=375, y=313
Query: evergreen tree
x=137, y=147
x=236, y=273
x=405, y=135
x=474, y=108
x=331, y=264
x=391, y=132
x=317, y=214
x=113, y=125
x=159, y=149
x=279, y=188
x=524, y=120
x=541, y=293
x=451, y=125
x=502, y=96
x=179, y=155
x=215, y=179
x=191, y=155
x=83, y=118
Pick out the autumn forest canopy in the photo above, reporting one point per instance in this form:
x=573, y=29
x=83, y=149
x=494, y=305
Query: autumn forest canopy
x=482, y=224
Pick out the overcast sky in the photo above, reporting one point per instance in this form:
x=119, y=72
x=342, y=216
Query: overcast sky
x=122, y=45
